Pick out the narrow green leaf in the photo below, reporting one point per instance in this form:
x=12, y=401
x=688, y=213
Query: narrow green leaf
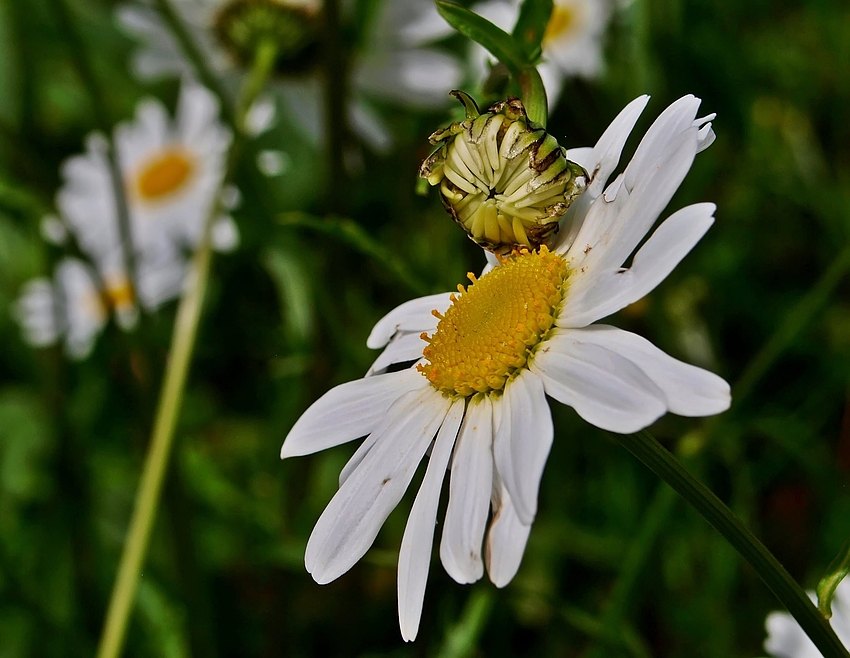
x=500, y=44
x=838, y=570
x=531, y=26
x=533, y=95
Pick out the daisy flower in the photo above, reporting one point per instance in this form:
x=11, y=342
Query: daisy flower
x=393, y=63
x=70, y=307
x=785, y=638
x=173, y=171
x=572, y=44
x=487, y=356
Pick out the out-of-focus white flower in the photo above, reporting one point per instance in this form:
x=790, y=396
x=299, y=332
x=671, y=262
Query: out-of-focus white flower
x=487, y=358
x=785, y=638
x=272, y=162
x=393, y=63
x=172, y=172
x=53, y=230
x=70, y=307
x=572, y=44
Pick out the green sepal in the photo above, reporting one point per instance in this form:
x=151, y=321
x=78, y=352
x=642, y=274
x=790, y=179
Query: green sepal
x=837, y=571
x=531, y=25
x=498, y=42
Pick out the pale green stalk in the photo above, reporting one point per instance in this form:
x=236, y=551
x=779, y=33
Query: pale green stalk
x=168, y=408
x=156, y=462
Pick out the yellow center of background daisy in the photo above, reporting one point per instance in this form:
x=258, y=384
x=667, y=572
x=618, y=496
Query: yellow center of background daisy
x=492, y=327
x=560, y=22
x=164, y=175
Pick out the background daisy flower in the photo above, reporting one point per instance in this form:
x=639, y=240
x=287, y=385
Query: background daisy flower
x=488, y=357
x=172, y=172
x=70, y=307
x=572, y=45
x=390, y=63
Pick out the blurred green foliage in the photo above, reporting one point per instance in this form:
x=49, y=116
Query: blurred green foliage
x=616, y=564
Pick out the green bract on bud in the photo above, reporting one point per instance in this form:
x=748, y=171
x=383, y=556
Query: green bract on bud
x=503, y=178
x=292, y=26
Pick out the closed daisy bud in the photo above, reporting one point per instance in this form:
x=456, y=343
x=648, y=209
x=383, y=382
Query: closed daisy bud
x=291, y=25
x=502, y=177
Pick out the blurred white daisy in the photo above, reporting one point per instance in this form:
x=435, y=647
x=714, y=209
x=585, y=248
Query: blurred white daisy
x=71, y=307
x=391, y=63
x=785, y=638
x=487, y=357
x=572, y=43
x=173, y=171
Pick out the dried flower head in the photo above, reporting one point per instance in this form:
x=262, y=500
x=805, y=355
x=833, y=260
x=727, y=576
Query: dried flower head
x=502, y=177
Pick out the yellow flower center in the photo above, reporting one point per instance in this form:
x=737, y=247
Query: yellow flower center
x=561, y=21
x=164, y=174
x=119, y=292
x=491, y=329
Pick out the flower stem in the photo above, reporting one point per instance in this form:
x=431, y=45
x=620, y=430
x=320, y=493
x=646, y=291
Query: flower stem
x=664, y=464
x=264, y=59
x=156, y=462
x=82, y=62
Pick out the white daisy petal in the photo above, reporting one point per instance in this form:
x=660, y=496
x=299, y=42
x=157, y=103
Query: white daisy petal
x=414, y=559
x=604, y=388
x=403, y=347
x=413, y=316
x=522, y=441
x=352, y=519
x=348, y=412
x=689, y=391
x=506, y=538
x=613, y=228
x=607, y=151
x=599, y=164
x=593, y=294
x=469, y=494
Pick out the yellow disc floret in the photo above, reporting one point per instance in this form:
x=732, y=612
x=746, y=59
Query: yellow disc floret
x=165, y=174
x=492, y=327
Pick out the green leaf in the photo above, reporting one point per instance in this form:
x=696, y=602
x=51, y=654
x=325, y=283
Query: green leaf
x=531, y=26
x=838, y=570
x=500, y=44
x=293, y=285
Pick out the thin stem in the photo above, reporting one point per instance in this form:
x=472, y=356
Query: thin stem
x=194, y=54
x=264, y=59
x=82, y=62
x=156, y=462
x=664, y=464
x=182, y=347
x=794, y=322
x=462, y=638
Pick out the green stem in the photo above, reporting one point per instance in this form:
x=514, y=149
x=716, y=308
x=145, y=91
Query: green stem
x=664, y=464
x=462, y=638
x=156, y=462
x=533, y=95
x=83, y=64
x=194, y=54
x=264, y=59
x=794, y=322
